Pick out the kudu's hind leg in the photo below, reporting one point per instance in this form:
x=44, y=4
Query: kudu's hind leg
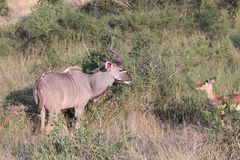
x=49, y=123
x=42, y=117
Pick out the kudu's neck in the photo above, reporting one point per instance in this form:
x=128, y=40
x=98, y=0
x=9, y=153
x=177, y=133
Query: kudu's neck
x=100, y=82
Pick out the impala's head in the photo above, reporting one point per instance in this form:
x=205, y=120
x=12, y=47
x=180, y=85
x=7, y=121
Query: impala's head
x=115, y=69
x=206, y=85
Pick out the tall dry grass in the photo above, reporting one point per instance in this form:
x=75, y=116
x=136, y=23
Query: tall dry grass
x=158, y=140
x=141, y=135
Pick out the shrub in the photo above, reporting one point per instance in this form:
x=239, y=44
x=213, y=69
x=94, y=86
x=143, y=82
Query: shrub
x=100, y=8
x=3, y=8
x=212, y=21
x=83, y=145
x=55, y=21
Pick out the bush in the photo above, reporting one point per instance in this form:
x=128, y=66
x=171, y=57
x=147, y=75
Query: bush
x=212, y=21
x=84, y=145
x=3, y=8
x=231, y=5
x=101, y=8
x=55, y=21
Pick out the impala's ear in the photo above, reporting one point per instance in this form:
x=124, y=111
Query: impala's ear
x=214, y=78
x=108, y=66
x=211, y=80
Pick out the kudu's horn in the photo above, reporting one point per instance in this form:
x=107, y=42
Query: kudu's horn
x=116, y=57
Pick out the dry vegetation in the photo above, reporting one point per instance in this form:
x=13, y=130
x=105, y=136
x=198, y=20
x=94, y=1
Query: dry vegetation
x=20, y=9
x=167, y=46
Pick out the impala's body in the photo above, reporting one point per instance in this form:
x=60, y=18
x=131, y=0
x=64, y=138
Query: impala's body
x=232, y=99
x=55, y=91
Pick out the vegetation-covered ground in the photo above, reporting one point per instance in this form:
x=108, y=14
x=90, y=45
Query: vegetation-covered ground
x=167, y=46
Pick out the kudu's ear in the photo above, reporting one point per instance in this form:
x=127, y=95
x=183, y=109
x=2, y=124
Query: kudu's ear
x=108, y=66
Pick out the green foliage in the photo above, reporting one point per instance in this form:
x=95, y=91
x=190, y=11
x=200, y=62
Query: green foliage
x=212, y=21
x=54, y=21
x=52, y=1
x=146, y=4
x=5, y=45
x=236, y=40
x=3, y=8
x=84, y=145
x=100, y=8
x=231, y=5
x=224, y=119
x=150, y=21
x=91, y=62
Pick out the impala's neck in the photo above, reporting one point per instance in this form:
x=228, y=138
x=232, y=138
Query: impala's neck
x=211, y=95
x=100, y=82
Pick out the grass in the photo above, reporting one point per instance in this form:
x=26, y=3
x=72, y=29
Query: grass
x=167, y=48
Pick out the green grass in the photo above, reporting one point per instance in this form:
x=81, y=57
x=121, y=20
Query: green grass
x=167, y=47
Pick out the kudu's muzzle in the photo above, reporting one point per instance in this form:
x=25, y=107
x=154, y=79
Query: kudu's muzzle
x=125, y=77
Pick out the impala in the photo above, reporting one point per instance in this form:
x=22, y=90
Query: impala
x=207, y=86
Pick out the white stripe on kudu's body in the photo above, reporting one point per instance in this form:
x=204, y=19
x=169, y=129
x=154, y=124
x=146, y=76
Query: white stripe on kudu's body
x=233, y=99
x=55, y=91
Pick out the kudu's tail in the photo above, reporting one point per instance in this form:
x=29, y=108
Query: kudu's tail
x=35, y=94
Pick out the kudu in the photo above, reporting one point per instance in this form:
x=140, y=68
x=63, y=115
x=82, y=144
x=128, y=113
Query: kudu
x=232, y=99
x=56, y=91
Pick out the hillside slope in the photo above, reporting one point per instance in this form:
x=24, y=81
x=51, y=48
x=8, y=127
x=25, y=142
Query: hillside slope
x=167, y=46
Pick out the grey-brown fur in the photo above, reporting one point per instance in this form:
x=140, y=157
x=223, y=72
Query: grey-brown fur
x=55, y=91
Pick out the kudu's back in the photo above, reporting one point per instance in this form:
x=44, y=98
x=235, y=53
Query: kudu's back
x=62, y=90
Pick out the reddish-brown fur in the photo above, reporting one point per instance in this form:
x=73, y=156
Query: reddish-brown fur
x=233, y=99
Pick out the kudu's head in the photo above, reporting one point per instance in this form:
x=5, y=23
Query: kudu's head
x=115, y=69
x=206, y=85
